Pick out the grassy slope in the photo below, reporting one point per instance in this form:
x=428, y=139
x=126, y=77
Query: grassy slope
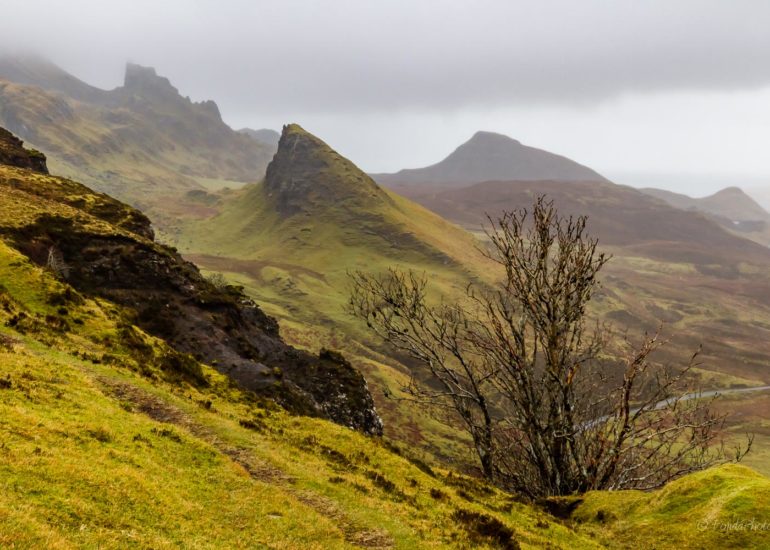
x=102, y=449
x=96, y=454
x=718, y=508
x=297, y=268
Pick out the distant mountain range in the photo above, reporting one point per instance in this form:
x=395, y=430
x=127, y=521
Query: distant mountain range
x=730, y=203
x=730, y=207
x=492, y=157
x=291, y=232
x=141, y=142
x=618, y=216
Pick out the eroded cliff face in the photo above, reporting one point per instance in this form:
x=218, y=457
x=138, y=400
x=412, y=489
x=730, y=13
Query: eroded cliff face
x=13, y=153
x=108, y=251
x=306, y=174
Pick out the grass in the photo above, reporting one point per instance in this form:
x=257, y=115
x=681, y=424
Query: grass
x=100, y=455
x=724, y=507
x=296, y=267
x=100, y=448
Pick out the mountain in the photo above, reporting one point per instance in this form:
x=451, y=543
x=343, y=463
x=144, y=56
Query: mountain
x=292, y=239
x=106, y=400
x=731, y=207
x=488, y=156
x=41, y=73
x=618, y=216
x=313, y=202
x=265, y=135
x=141, y=142
x=126, y=377
x=731, y=203
x=104, y=249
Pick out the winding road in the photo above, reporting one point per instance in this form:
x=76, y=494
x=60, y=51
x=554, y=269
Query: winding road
x=687, y=397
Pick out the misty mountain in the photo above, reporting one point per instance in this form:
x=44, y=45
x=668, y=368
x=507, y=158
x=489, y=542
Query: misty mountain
x=265, y=135
x=38, y=71
x=142, y=142
x=731, y=203
x=488, y=156
x=731, y=207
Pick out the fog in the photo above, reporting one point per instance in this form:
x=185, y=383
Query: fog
x=677, y=92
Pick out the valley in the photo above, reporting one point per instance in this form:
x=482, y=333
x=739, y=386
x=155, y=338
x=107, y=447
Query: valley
x=181, y=365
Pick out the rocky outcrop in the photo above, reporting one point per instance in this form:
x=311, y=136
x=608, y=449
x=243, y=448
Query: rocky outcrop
x=144, y=80
x=13, y=153
x=169, y=298
x=306, y=171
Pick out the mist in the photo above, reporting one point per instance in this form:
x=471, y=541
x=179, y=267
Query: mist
x=621, y=86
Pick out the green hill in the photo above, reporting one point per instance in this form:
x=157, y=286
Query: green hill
x=292, y=239
x=113, y=437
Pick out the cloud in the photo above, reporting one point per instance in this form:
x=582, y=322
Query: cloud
x=625, y=86
x=353, y=56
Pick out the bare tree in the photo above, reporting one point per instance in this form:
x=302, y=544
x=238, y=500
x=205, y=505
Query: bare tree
x=548, y=408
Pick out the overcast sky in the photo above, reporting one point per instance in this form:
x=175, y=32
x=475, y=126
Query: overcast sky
x=667, y=93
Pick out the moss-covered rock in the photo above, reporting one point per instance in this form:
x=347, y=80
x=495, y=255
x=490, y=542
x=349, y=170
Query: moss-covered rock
x=13, y=153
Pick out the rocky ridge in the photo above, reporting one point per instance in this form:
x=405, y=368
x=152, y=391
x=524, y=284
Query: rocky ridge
x=109, y=252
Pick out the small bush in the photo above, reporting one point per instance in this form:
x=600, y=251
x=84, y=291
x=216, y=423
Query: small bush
x=217, y=280
x=604, y=516
x=168, y=433
x=100, y=434
x=185, y=367
x=254, y=424
x=438, y=494
x=483, y=527
x=469, y=485
x=386, y=485
x=6, y=342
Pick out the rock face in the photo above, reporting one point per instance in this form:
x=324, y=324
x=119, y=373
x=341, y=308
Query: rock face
x=488, y=156
x=145, y=81
x=12, y=153
x=305, y=171
x=169, y=298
